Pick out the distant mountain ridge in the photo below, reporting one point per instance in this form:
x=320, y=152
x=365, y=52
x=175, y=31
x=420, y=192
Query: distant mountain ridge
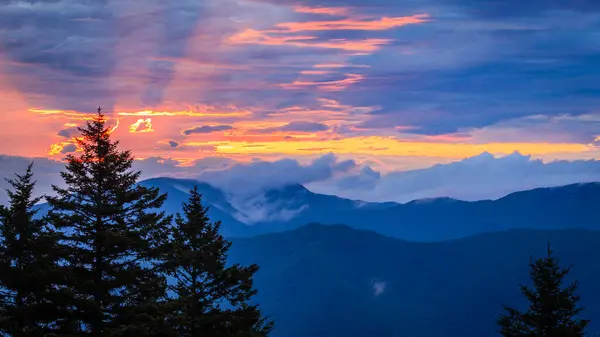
x=336, y=281
x=437, y=219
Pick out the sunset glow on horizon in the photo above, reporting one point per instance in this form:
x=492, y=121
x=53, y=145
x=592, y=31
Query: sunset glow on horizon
x=267, y=79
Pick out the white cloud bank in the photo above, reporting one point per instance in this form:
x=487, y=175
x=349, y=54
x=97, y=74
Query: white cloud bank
x=480, y=177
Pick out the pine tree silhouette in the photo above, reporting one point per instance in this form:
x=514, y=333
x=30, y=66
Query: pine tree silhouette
x=553, y=310
x=29, y=298
x=111, y=233
x=209, y=298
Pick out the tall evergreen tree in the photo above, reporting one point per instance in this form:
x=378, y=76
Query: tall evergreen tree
x=553, y=309
x=28, y=264
x=110, y=235
x=209, y=298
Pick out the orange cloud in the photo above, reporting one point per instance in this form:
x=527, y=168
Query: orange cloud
x=384, y=23
x=114, y=127
x=70, y=114
x=64, y=147
x=141, y=125
x=197, y=111
x=192, y=113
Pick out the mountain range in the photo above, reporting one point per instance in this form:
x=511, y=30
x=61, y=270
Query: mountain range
x=337, y=281
x=437, y=267
x=292, y=206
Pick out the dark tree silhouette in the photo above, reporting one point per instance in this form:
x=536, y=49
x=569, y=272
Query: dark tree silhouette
x=29, y=298
x=209, y=297
x=110, y=236
x=553, y=309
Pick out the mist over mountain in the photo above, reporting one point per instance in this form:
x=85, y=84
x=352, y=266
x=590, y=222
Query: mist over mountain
x=480, y=177
x=292, y=206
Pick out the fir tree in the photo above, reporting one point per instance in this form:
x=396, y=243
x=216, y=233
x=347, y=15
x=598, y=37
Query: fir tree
x=28, y=264
x=110, y=235
x=208, y=297
x=553, y=309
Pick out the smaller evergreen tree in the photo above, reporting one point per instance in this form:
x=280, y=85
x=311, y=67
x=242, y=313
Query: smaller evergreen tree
x=207, y=297
x=28, y=264
x=553, y=309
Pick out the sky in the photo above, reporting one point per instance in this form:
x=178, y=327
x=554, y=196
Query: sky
x=375, y=88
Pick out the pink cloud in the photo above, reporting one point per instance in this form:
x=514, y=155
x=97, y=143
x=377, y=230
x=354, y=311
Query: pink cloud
x=384, y=23
x=336, y=11
x=252, y=36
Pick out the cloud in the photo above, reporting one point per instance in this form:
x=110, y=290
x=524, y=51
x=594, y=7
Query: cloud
x=295, y=126
x=246, y=183
x=47, y=171
x=173, y=143
x=161, y=167
x=206, y=129
x=475, y=178
x=335, y=11
x=254, y=177
x=480, y=177
x=304, y=126
x=366, y=179
x=384, y=23
x=252, y=36
x=68, y=148
x=327, y=85
x=141, y=125
x=583, y=128
x=68, y=132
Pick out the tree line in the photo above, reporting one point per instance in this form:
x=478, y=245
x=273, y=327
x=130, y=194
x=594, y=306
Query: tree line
x=106, y=261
